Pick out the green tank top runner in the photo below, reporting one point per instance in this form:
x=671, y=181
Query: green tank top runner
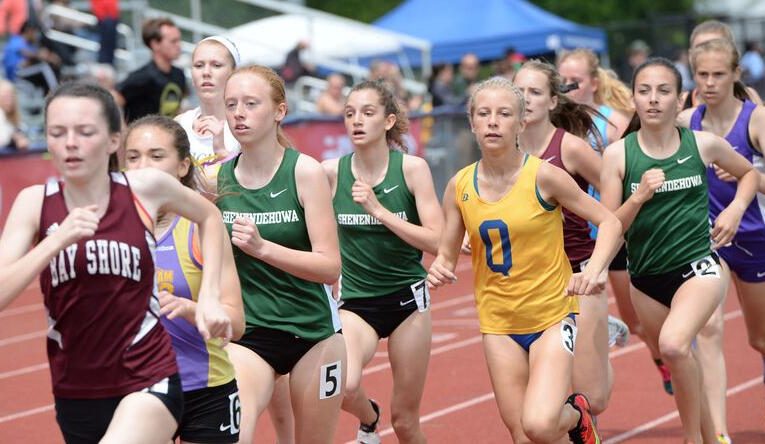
x=272, y=297
x=672, y=228
x=376, y=262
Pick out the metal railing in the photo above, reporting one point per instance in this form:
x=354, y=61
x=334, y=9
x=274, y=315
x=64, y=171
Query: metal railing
x=125, y=56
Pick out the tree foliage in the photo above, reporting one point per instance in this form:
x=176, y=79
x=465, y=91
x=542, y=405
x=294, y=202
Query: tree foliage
x=602, y=12
x=363, y=10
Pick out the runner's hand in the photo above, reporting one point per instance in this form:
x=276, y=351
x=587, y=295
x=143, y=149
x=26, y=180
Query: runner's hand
x=212, y=321
x=439, y=274
x=245, y=235
x=80, y=223
x=173, y=307
x=651, y=181
x=364, y=195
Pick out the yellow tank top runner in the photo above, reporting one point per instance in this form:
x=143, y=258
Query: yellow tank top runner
x=521, y=270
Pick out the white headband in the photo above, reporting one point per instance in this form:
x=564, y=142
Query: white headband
x=230, y=46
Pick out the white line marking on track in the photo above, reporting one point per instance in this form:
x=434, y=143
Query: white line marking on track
x=442, y=337
x=436, y=339
x=467, y=311
x=21, y=310
x=438, y=413
x=26, y=413
x=22, y=338
x=24, y=370
x=456, y=322
x=452, y=302
x=433, y=351
x=672, y=415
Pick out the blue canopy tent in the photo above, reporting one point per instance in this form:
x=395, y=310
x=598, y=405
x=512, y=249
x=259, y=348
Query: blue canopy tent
x=487, y=28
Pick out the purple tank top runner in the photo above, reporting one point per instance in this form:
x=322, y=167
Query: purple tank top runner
x=721, y=193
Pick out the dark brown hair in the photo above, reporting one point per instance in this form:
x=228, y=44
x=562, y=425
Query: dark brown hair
x=180, y=142
x=634, y=124
x=109, y=109
x=569, y=115
x=394, y=136
x=152, y=29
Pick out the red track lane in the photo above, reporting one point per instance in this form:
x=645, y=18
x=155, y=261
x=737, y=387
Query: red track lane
x=458, y=406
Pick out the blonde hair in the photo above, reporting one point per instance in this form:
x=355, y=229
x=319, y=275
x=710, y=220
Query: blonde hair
x=497, y=83
x=611, y=91
x=232, y=52
x=278, y=95
x=712, y=27
x=715, y=45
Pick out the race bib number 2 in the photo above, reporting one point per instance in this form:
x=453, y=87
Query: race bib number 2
x=706, y=267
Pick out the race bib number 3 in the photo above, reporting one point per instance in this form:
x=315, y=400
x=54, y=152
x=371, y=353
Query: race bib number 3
x=568, y=336
x=331, y=380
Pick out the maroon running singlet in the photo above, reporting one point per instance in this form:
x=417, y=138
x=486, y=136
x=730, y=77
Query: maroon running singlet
x=104, y=334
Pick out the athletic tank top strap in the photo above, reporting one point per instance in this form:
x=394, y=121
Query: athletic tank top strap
x=600, y=122
x=672, y=228
x=576, y=231
x=740, y=131
x=345, y=177
x=697, y=117
x=552, y=153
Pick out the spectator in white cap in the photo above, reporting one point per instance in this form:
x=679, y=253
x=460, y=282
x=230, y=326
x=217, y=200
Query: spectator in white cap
x=213, y=60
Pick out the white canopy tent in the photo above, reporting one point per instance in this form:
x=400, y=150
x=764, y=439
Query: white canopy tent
x=333, y=43
x=733, y=8
x=267, y=41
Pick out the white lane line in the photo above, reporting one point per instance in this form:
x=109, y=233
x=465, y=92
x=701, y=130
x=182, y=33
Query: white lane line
x=434, y=351
x=436, y=339
x=22, y=338
x=674, y=414
x=26, y=413
x=24, y=370
x=20, y=310
x=438, y=413
x=452, y=302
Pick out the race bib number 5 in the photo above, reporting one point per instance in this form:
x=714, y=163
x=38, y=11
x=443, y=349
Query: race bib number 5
x=331, y=380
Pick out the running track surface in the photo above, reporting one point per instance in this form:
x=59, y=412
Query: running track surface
x=458, y=405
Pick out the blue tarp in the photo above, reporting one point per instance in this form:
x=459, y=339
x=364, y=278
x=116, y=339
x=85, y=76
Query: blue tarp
x=487, y=28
